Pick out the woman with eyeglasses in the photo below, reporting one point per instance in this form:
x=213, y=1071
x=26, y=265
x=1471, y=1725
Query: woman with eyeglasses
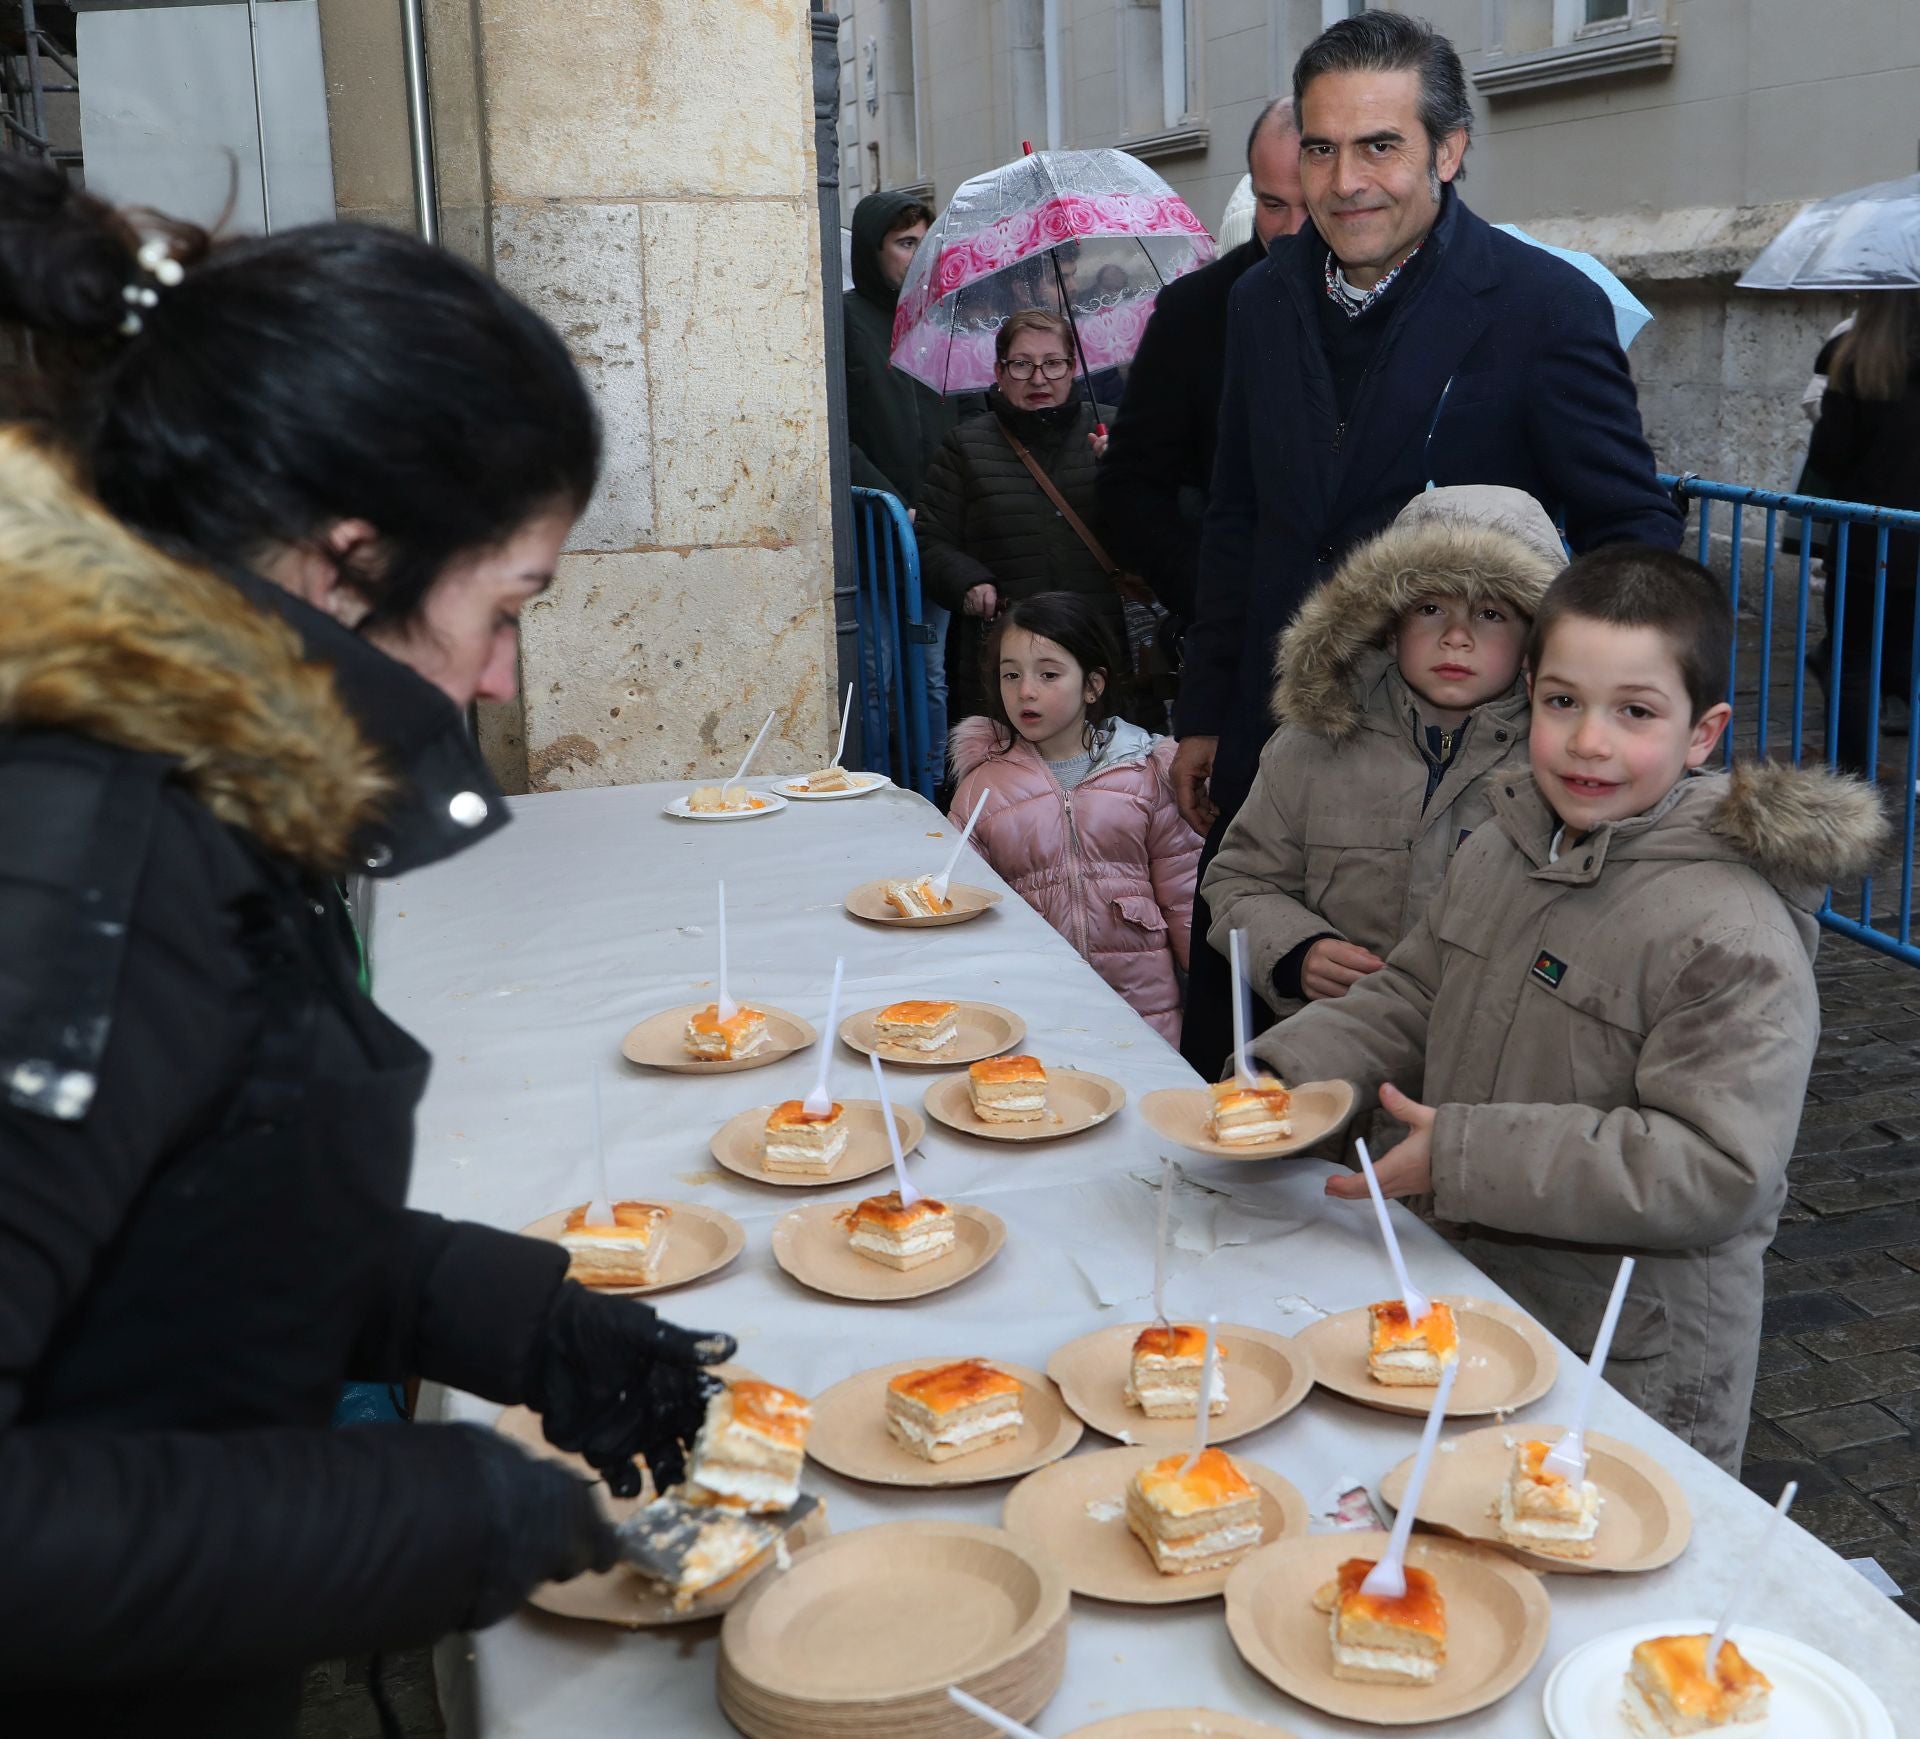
x=988, y=530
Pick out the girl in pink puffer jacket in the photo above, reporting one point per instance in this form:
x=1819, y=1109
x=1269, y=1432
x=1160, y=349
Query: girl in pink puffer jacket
x=1080, y=816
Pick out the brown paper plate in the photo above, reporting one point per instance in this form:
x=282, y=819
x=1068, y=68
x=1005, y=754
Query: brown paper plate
x=740, y=1143
x=1506, y=1361
x=866, y=1639
x=984, y=1030
x=1268, y=1376
x=850, y=1430
x=1180, y=1724
x=1077, y=1099
x=656, y=1042
x=1496, y=1626
x=1644, y=1519
x=1075, y=1512
x=869, y=901
x=811, y=1245
x=700, y=1241
x=1180, y=1115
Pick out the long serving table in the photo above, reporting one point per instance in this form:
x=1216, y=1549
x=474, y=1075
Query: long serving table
x=522, y=964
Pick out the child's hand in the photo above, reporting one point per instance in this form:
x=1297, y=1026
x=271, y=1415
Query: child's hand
x=1332, y=966
x=1408, y=1169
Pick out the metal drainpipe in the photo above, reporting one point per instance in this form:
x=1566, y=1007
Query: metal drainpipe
x=426, y=187
x=36, y=85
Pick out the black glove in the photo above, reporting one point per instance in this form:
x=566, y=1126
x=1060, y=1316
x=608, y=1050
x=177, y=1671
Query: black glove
x=543, y=1526
x=612, y=1381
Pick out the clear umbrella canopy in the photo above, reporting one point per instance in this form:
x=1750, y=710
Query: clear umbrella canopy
x=1868, y=239
x=1089, y=234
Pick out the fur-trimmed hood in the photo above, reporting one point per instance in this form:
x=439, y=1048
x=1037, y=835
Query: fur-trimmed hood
x=1482, y=541
x=103, y=636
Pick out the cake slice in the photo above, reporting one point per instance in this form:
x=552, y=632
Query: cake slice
x=627, y=1253
x=722, y=800
x=1163, y=1380
x=1544, y=1512
x=829, y=779
x=953, y=1409
x=1008, y=1090
x=917, y=1026
x=917, y=899
x=900, y=1237
x=1668, y=1692
x=1385, y=1642
x=803, y=1143
x=1203, y=1519
x=1245, y=1116
x=712, y=1039
x=1407, y=1355
x=749, y=1449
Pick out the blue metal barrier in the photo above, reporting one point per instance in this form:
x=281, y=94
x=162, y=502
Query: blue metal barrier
x=1891, y=930
x=894, y=639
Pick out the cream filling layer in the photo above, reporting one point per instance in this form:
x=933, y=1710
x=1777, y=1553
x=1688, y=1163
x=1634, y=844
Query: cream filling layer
x=916, y=1042
x=751, y=1484
x=1418, y=1668
x=1407, y=1360
x=962, y=1431
x=1170, y=1393
x=1273, y=1129
x=1034, y=1101
x=941, y=1239
x=1206, y=1545
x=1534, y=1528
x=784, y=1152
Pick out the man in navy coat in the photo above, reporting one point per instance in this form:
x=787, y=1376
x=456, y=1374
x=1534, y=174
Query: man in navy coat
x=1396, y=341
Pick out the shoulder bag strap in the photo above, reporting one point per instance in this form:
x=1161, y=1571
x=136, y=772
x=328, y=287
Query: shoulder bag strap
x=1107, y=563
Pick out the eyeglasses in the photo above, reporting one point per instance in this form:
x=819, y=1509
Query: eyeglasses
x=1050, y=367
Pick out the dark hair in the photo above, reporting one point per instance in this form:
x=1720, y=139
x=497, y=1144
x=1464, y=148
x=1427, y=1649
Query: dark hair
x=1634, y=585
x=1876, y=356
x=1074, y=623
x=1280, y=107
x=907, y=216
x=1031, y=320
x=289, y=381
x=1393, y=42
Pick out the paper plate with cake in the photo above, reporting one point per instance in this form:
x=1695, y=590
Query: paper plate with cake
x=1140, y=1381
x=1467, y=1630
x=1374, y=1355
x=1019, y=1099
x=1259, y=1119
x=648, y=1246
x=830, y=785
x=1495, y=1486
x=1142, y=1527
x=725, y=803
x=877, y=1250
x=791, y=1148
x=941, y=1421
x=1650, y=1681
x=693, y=1039
x=931, y=1033
x=915, y=904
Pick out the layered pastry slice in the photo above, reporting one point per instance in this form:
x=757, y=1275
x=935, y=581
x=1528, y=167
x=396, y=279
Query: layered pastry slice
x=1544, y=1512
x=1163, y=1380
x=749, y=1449
x=917, y=899
x=900, y=1237
x=712, y=1039
x=1204, y=1518
x=626, y=1253
x=1246, y=1116
x=829, y=779
x=1410, y=1355
x=1008, y=1090
x=1669, y=1693
x=802, y=1142
x=722, y=800
x=689, y=1548
x=953, y=1409
x=917, y=1026
x=1385, y=1642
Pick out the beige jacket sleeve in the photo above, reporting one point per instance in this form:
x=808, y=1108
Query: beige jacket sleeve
x=1720, y=1082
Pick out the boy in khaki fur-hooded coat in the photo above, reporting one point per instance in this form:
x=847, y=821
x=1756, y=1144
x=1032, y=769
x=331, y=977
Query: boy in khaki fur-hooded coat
x=1366, y=789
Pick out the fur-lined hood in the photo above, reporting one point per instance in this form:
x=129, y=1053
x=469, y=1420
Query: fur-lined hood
x=1482, y=541
x=103, y=636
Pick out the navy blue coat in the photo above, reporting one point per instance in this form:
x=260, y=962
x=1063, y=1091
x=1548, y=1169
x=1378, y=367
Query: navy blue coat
x=1501, y=366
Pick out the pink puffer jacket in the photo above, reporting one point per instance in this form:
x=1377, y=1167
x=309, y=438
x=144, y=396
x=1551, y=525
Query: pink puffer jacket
x=1110, y=864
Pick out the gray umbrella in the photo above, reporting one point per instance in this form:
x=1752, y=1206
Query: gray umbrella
x=1868, y=239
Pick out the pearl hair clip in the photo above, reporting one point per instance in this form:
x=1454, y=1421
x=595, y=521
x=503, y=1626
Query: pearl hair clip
x=155, y=259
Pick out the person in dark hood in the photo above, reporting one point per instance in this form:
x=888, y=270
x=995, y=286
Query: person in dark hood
x=273, y=548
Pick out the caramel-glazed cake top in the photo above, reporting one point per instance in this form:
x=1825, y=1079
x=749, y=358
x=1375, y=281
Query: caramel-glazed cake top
x=771, y=1412
x=1004, y=1071
x=1175, y=1340
x=1533, y=1463
x=919, y=1013
x=1211, y=1483
x=1420, y=1608
x=1265, y=1091
x=887, y=1211
x=1679, y=1665
x=634, y=1222
x=948, y=1388
x=793, y=1114
x=708, y=1020
x=1391, y=1328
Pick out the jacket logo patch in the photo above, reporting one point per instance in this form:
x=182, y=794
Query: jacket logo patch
x=1549, y=970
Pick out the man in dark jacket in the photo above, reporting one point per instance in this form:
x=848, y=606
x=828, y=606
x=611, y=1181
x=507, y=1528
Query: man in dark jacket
x=1159, y=462
x=1398, y=341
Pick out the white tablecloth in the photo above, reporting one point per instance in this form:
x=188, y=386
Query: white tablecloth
x=522, y=964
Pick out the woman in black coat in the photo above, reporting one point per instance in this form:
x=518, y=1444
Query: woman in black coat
x=277, y=546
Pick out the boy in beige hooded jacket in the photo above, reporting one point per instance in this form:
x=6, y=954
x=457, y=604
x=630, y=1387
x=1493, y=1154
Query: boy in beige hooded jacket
x=1608, y=1013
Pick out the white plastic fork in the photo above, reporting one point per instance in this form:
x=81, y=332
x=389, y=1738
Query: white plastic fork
x=1204, y=1417
x=940, y=881
x=723, y=1005
x=1387, y=1580
x=746, y=760
x=818, y=1103
x=1410, y=1295
x=908, y=1194
x=1568, y=1456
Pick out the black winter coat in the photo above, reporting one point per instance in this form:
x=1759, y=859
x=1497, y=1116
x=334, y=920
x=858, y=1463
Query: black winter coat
x=205, y=1137
x=1499, y=365
x=1159, y=463
x=983, y=519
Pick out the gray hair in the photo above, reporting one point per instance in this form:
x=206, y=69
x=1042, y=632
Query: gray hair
x=1393, y=42
x=1280, y=113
